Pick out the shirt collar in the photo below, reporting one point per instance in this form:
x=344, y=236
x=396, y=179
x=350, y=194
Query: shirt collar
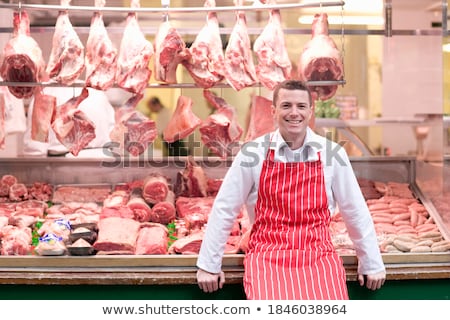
x=278, y=143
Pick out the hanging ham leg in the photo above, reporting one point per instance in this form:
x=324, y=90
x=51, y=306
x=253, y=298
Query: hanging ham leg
x=22, y=58
x=183, y=121
x=101, y=55
x=239, y=67
x=320, y=59
x=274, y=65
x=66, y=61
x=170, y=51
x=206, y=62
x=135, y=53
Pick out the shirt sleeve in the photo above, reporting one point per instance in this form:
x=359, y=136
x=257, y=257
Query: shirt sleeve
x=356, y=215
x=233, y=193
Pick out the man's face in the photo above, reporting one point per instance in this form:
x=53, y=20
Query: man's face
x=292, y=113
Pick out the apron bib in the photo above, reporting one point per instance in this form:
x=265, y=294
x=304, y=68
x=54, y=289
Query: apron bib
x=290, y=255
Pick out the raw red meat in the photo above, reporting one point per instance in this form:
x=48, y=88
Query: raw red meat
x=2, y=121
x=71, y=126
x=153, y=238
x=187, y=245
x=15, y=240
x=261, y=118
x=220, y=132
x=155, y=189
x=170, y=51
x=22, y=58
x=66, y=61
x=192, y=181
x=183, y=121
x=206, y=61
x=135, y=52
x=117, y=234
x=239, y=66
x=141, y=210
x=320, y=59
x=18, y=192
x=188, y=205
x=101, y=55
x=44, y=109
x=164, y=212
x=274, y=65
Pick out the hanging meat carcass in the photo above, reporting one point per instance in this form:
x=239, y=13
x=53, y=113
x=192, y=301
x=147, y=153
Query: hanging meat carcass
x=170, y=51
x=101, y=55
x=239, y=66
x=133, y=131
x=135, y=52
x=22, y=58
x=320, y=59
x=261, y=119
x=71, y=126
x=220, y=132
x=274, y=65
x=44, y=109
x=66, y=61
x=206, y=61
x=183, y=121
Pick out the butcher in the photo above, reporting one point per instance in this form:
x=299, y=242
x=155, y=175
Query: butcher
x=291, y=180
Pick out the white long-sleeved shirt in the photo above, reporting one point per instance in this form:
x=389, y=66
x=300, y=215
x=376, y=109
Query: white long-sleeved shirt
x=240, y=187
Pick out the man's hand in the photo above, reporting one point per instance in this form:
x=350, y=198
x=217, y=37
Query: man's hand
x=210, y=282
x=372, y=281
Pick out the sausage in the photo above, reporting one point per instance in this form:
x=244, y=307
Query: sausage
x=402, y=216
x=420, y=249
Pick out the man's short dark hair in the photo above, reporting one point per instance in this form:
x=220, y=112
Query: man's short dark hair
x=291, y=85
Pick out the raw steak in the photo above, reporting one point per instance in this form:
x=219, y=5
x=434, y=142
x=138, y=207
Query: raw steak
x=320, y=59
x=155, y=189
x=66, y=61
x=183, y=121
x=274, y=65
x=22, y=58
x=153, y=238
x=221, y=132
x=194, y=205
x=101, y=55
x=135, y=52
x=71, y=126
x=239, y=66
x=44, y=109
x=170, y=51
x=117, y=234
x=164, y=211
x=187, y=245
x=261, y=118
x=206, y=62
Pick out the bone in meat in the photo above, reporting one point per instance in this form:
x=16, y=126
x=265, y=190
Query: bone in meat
x=183, y=121
x=320, y=59
x=274, y=65
x=101, y=55
x=44, y=109
x=22, y=58
x=66, y=61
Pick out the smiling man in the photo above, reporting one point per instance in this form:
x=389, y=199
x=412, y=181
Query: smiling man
x=291, y=181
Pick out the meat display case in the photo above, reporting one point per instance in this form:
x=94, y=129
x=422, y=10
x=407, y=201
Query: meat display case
x=176, y=273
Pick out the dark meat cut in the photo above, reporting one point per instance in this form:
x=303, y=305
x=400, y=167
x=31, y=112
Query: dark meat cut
x=22, y=58
x=101, y=55
x=44, y=109
x=153, y=238
x=117, y=234
x=261, y=118
x=320, y=59
x=183, y=121
x=206, y=61
x=135, y=52
x=71, y=126
x=220, y=132
x=239, y=66
x=274, y=65
x=66, y=61
x=170, y=51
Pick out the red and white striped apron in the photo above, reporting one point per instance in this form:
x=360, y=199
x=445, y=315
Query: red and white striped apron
x=290, y=255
